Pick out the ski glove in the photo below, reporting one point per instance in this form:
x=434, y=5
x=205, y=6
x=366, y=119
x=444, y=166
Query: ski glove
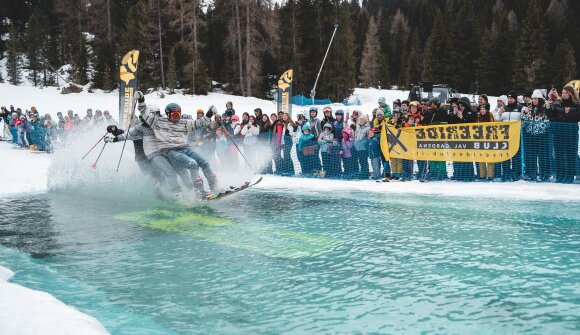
x=139, y=96
x=110, y=138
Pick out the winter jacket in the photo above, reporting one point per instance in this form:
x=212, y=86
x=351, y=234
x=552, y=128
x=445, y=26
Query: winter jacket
x=325, y=141
x=347, y=144
x=375, y=146
x=488, y=117
x=361, y=137
x=250, y=133
x=512, y=113
x=145, y=133
x=229, y=112
x=558, y=112
x=306, y=139
x=315, y=126
x=171, y=135
x=386, y=110
x=535, y=122
x=337, y=128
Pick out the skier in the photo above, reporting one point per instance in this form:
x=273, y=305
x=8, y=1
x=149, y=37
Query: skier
x=148, y=155
x=172, y=133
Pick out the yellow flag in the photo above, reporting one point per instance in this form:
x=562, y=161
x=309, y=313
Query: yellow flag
x=385, y=142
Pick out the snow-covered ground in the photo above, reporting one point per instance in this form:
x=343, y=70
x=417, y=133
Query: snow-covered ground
x=29, y=312
x=26, y=311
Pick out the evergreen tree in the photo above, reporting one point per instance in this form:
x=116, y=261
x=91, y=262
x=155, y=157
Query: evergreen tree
x=80, y=68
x=531, y=55
x=14, y=71
x=414, y=62
x=485, y=71
x=462, y=48
x=34, y=48
x=370, y=68
x=338, y=77
x=435, y=57
x=171, y=72
x=563, y=64
x=398, y=40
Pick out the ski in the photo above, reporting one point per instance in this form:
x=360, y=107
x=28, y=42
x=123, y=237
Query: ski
x=232, y=190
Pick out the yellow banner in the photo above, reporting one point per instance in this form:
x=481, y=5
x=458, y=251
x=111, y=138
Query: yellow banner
x=285, y=92
x=491, y=142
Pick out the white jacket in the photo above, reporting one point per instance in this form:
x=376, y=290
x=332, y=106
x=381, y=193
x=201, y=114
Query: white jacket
x=250, y=134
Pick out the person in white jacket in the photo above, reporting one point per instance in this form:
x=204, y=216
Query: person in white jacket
x=250, y=132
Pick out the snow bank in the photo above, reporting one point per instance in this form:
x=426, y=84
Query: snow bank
x=28, y=312
x=512, y=191
x=23, y=171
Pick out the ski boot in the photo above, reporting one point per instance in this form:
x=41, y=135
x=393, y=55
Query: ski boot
x=213, y=183
x=198, y=187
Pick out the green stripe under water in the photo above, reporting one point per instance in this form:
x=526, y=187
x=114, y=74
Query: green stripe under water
x=222, y=231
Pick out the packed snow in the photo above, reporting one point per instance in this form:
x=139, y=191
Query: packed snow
x=26, y=311
x=29, y=312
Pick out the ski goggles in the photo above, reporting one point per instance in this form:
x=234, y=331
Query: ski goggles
x=175, y=113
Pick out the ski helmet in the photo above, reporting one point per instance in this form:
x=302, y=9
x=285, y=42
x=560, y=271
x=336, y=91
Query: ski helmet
x=382, y=100
x=174, y=110
x=172, y=107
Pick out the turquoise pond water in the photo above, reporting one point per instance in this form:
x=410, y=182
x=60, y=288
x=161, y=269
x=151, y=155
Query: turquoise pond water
x=272, y=262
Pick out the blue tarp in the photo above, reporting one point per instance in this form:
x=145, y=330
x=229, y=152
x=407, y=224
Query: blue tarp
x=301, y=100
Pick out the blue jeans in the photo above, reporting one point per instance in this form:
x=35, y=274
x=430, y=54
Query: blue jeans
x=188, y=159
x=160, y=164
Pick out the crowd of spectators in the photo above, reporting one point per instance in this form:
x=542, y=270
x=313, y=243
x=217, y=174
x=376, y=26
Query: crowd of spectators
x=31, y=130
x=338, y=144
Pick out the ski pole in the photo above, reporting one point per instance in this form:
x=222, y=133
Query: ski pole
x=128, y=128
x=100, y=139
x=94, y=165
x=240, y=151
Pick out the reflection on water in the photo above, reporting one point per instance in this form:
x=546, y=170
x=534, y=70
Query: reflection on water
x=275, y=262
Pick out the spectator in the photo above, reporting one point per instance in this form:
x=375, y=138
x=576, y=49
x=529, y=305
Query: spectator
x=486, y=170
x=325, y=141
x=346, y=155
x=250, y=132
x=315, y=123
x=511, y=168
x=12, y=127
x=258, y=116
x=361, y=145
x=565, y=113
x=327, y=111
x=229, y=109
x=536, y=140
x=265, y=139
x=384, y=107
x=374, y=151
x=308, y=146
x=463, y=114
x=109, y=119
x=23, y=129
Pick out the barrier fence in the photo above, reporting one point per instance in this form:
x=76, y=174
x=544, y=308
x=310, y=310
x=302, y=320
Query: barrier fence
x=548, y=152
